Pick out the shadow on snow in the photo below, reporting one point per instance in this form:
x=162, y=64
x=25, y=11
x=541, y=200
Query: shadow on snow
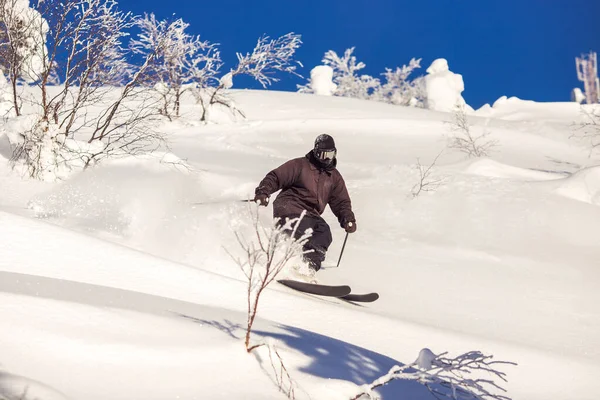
x=333, y=359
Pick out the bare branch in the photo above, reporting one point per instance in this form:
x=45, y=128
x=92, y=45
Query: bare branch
x=452, y=378
x=282, y=373
x=268, y=57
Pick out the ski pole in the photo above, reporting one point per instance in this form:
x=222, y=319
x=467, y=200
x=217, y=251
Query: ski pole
x=342, y=252
x=221, y=202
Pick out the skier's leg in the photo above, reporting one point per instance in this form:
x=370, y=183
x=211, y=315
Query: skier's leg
x=318, y=243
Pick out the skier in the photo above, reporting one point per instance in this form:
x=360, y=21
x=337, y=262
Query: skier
x=310, y=183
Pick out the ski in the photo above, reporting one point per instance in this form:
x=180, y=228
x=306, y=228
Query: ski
x=361, y=298
x=340, y=291
x=317, y=289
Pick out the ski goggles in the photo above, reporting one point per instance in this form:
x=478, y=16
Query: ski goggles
x=325, y=154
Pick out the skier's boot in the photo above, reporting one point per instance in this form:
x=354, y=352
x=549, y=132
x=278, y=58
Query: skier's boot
x=304, y=273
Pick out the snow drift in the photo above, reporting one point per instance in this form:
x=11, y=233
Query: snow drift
x=583, y=185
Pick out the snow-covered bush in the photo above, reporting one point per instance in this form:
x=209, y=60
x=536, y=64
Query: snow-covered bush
x=346, y=81
x=444, y=87
x=467, y=376
x=38, y=150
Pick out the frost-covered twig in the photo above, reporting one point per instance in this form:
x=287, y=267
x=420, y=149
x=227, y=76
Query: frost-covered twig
x=265, y=256
x=464, y=140
x=268, y=57
x=454, y=375
x=185, y=59
x=426, y=184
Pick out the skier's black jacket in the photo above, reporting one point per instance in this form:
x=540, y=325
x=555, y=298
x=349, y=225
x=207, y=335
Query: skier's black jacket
x=307, y=185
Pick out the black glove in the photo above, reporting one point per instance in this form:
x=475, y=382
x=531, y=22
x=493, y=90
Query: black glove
x=261, y=199
x=350, y=226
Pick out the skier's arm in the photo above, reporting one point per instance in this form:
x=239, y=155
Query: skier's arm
x=340, y=203
x=281, y=177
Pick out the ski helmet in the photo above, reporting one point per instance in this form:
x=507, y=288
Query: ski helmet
x=324, y=149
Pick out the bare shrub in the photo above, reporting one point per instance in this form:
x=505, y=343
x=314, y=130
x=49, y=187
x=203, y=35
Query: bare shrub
x=265, y=256
x=426, y=183
x=464, y=140
x=266, y=253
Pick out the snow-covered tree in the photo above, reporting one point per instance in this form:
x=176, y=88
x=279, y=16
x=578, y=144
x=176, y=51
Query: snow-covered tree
x=577, y=96
x=268, y=57
x=398, y=89
x=345, y=75
x=92, y=54
x=320, y=82
x=348, y=82
x=444, y=87
x=127, y=125
x=183, y=60
x=587, y=72
x=22, y=37
x=86, y=54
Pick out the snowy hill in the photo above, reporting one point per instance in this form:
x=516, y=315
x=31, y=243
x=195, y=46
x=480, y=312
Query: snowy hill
x=113, y=285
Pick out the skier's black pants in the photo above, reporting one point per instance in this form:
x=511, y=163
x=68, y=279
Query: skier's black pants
x=316, y=246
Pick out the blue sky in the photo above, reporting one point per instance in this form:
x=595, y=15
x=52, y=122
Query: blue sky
x=523, y=48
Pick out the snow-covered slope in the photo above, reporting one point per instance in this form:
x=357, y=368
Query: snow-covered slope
x=125, y=289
